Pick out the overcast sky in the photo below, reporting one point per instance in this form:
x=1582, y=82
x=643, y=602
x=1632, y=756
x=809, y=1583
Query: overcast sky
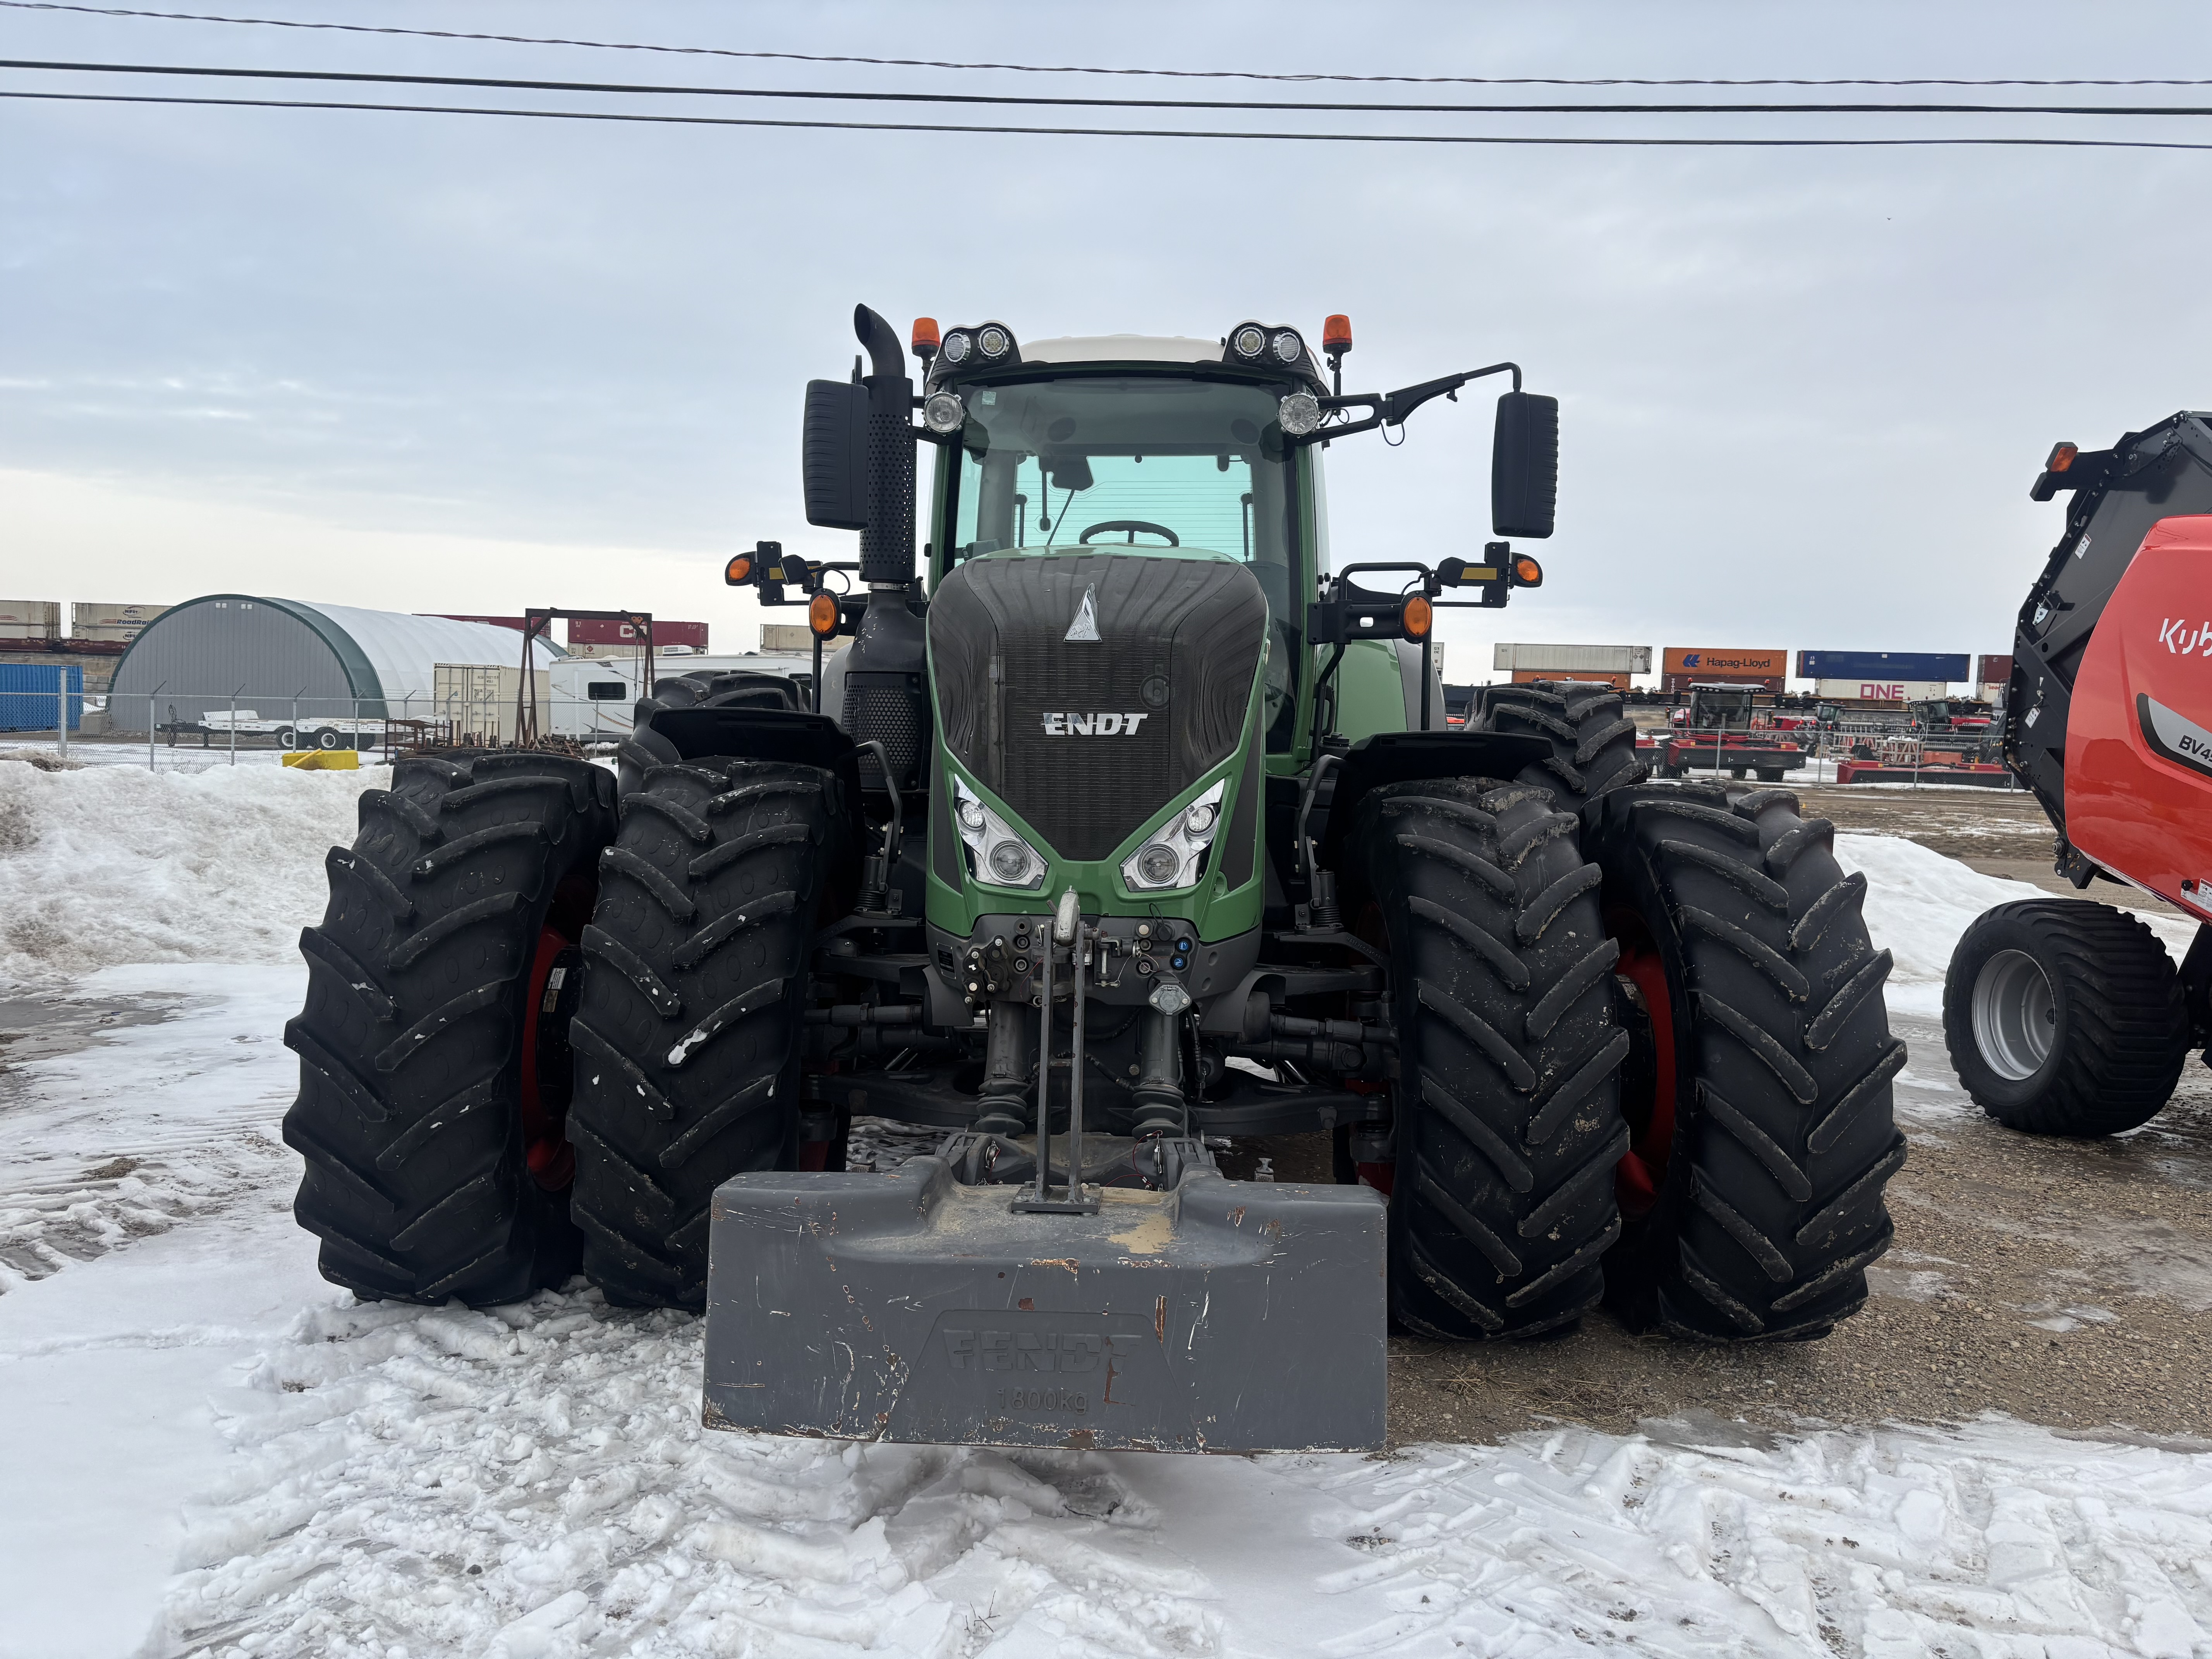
x=452, y=363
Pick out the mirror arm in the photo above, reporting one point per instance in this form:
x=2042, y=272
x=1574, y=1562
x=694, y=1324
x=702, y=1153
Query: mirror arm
x=1391, y=408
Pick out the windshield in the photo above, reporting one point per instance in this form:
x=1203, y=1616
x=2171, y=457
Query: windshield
x=1137, y=464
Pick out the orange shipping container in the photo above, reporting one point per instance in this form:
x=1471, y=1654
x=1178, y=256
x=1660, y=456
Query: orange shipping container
x=1701, y=663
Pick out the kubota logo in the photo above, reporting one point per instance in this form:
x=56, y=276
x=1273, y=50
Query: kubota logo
x=1093, y=726
x=2178, y=637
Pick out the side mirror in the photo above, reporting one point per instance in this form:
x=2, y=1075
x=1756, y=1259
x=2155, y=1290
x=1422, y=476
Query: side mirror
x=1524, y=466
x=835, y=451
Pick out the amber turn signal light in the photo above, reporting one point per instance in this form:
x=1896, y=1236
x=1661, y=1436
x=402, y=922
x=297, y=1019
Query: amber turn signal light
x=2061, y=456
x=739, y=571
x=1416, y=617
x=821, y=615
x=1527, y=573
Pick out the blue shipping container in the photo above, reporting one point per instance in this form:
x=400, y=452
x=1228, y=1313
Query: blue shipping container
x=1947, y=667
x=28, y=692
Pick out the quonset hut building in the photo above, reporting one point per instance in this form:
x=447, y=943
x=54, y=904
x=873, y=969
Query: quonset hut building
x=277, y=655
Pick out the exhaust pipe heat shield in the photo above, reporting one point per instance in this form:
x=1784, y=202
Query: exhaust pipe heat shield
x=1221, y=1316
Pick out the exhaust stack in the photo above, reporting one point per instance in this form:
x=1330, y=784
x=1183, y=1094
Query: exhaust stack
x=887, y=536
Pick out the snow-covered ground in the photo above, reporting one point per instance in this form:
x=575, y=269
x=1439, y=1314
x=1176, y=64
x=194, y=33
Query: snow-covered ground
x=204, y=1447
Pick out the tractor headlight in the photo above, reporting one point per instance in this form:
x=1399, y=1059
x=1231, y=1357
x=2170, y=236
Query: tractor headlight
x=1249, y=341
x=996, y=854
x=1288, y=347
x=956, y=347
x=943, y=412
x=993, y=341
x=1300, y=413
x=1174, y=854
x=1158, y=865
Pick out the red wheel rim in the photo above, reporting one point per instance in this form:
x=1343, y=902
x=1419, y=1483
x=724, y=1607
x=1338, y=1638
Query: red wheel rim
x=545, y=1146
x=1643, y=1169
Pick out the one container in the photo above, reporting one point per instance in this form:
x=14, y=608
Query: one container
x=38, y=620
x=797, y=637
x=115, y=624
x=1942, y=667
x=1578, y=660
x=1881, y=691
x=29, y=693
x=588, y=630
x=478, y=701
x=1725, y=666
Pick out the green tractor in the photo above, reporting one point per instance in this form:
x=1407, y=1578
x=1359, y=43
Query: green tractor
x=1128, y=828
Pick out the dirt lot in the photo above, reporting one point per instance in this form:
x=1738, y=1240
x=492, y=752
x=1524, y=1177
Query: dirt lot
x=2065, y=1283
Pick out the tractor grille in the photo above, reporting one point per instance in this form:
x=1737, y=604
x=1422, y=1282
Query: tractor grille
x=1021, y=705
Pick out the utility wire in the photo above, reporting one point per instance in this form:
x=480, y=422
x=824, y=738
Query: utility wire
x=1127, y=132
x=1088, y=68
x=659, y=89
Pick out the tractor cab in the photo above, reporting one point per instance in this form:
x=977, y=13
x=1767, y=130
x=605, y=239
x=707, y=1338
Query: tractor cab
x=1712, y=708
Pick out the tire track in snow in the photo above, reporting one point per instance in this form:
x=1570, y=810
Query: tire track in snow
x=535, y=1480
x=1997, y=1539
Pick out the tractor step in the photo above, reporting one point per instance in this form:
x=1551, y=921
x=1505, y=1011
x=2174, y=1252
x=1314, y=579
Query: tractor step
x=1220, y=1316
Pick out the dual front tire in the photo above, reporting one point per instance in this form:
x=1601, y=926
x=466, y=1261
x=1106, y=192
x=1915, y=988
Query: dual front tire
x=449, y=1015
x=1643, y=1055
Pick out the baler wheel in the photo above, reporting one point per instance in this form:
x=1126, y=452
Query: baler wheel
x=1593, y=740
x=1507, y=1120
x=433, y=1169
x=2064, y=1018
x=687, y=1040
x=1755, y=1214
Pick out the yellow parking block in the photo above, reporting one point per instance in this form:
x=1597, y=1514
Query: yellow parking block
x=324, y=760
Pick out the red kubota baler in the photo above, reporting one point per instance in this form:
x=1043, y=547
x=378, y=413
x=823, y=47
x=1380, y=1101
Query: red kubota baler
x=2066, y=1017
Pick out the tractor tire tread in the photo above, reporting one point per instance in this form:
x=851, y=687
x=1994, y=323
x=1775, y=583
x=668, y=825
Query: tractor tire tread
x=1500, y=1219
x=407, y=1116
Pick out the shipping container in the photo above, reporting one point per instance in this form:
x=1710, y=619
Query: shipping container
x=1604, y=661
x=478, y=701
x=30, y=619
x=110, y=624
x=1680, y=685
x=797, y=636
x=593, y=697
x=1703, y=666
x=1897, y=691
x=31, y=694
x=1943, y=666
x=585, y=630
x=1992, y=671
x=1531, y=676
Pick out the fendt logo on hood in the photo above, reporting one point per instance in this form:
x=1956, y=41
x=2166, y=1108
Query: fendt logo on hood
x=1093, y=726
x=2180, y=638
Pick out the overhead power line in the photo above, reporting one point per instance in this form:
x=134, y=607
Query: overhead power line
x=1093, y=68
x=633, y=88
x=1595, y=141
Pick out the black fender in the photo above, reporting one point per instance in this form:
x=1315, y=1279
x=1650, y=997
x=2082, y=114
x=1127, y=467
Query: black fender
x=1401, y=756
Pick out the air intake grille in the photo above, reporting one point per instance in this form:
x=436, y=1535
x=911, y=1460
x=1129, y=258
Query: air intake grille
x=889, y=709
x=1021, y=704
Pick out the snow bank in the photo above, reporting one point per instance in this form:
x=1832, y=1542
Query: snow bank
x=114, y=865
x=1918, y=903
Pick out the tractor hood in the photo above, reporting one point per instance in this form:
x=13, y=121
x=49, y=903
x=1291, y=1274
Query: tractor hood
x=1086, y=689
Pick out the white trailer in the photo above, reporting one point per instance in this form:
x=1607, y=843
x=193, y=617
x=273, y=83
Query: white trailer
x=1510, y=658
